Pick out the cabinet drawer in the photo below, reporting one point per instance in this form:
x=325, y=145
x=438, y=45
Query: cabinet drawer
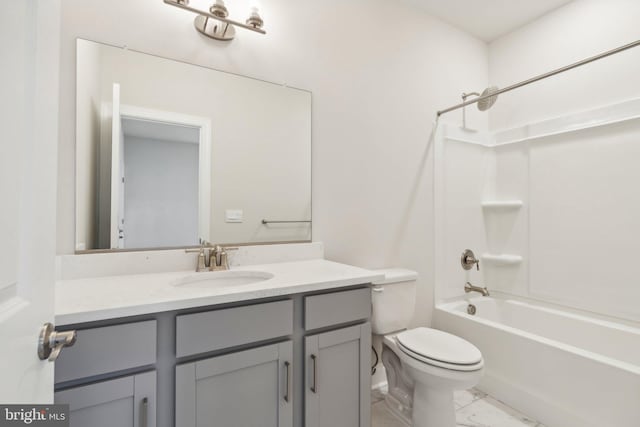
x=337, y=307
x=218, y=329
x=108, y=349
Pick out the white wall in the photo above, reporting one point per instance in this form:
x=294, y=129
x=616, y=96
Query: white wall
x=580, y=29
x=160, y=193
x=375, y=93
x=88, y=137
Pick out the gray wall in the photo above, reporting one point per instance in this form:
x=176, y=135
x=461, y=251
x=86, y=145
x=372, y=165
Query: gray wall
x=161, y=193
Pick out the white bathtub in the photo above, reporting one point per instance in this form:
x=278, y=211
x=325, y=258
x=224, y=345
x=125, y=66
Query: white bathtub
x=566, y=369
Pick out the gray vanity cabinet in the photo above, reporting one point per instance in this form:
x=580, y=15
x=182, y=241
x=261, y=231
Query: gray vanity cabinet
x=338, y=377
x=124, y=402
x=251, y=388
x=301, y=360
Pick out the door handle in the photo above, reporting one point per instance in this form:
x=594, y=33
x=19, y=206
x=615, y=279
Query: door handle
x=287, y=395
x=51, y=343
x=314, y=360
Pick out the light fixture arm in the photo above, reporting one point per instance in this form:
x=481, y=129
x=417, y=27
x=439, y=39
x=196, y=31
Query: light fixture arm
x=254, y=22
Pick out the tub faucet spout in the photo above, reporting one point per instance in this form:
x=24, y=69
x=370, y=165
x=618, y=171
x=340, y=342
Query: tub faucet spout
x=468, y=287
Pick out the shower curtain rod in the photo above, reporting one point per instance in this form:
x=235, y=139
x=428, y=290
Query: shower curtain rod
x=542, y=76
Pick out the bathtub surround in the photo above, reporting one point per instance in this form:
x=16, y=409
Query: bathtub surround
x=524, y=231
x=498, y=203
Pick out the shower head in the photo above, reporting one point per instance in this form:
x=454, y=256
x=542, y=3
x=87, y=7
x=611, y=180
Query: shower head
x=468, y=94
x=485, y=104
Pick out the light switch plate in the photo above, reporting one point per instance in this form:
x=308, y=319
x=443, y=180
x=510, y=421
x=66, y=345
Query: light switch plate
x=233, y=215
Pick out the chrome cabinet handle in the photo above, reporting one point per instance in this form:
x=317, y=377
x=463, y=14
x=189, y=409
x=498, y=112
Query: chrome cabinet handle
x=287, y=395
x=144, y=412
x=314, y=387
x=51, y=343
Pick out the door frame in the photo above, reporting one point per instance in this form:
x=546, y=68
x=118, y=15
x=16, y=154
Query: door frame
x=204, y=153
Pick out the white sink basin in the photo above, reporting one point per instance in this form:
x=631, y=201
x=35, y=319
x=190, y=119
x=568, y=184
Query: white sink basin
x=222, y=279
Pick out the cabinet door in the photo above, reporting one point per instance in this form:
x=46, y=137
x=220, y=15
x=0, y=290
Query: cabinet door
x=249, y=388
x=123, y=402
x=338, y=378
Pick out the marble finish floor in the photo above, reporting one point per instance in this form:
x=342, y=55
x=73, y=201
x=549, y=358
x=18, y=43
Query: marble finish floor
x=473, y=409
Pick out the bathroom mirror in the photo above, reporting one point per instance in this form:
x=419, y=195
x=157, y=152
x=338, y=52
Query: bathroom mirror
x=169, y=154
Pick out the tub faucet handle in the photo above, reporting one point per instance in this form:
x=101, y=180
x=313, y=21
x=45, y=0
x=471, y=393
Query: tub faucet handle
x=467, y=260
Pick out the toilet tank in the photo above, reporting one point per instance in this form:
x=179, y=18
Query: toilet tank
x=393, y=300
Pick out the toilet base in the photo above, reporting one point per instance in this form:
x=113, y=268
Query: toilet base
x=433, y=407
x=425, y=392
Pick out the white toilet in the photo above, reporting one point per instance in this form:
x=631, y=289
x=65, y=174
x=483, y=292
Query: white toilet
x=424, y=366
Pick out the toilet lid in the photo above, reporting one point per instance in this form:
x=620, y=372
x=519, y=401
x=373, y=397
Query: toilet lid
x=440, y=346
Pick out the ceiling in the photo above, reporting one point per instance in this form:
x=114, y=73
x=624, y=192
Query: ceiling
x=141, y=128
x=488, y=19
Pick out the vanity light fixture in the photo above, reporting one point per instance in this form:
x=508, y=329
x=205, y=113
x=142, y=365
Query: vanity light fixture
x=216, y=24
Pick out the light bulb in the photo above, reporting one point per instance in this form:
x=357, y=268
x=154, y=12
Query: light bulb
x=219, y=9
x=255, y=20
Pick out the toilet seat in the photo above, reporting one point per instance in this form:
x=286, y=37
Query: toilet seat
x=440, y=349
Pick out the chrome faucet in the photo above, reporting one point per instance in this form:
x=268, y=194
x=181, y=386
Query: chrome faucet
x=468, y=287
x=204, y=256
x=211, y=257
x=218, y=258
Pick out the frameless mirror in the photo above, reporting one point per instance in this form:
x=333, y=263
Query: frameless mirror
x=170, y=154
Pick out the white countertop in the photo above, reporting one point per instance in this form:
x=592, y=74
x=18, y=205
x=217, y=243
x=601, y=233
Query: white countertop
x=100, y=298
